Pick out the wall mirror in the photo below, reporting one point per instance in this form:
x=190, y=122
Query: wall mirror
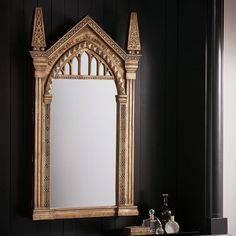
x=84, y=122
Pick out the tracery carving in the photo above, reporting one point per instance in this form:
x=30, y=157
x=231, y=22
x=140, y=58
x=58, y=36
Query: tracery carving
x=117, y=72
x=123, y=151
x=46, y=156
x=92, y=41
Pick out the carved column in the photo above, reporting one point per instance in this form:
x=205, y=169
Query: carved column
x=41, y=184
x=41, y=165
x=131, y=68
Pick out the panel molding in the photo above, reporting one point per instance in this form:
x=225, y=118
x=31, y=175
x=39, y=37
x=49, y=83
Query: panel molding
x=215, y=223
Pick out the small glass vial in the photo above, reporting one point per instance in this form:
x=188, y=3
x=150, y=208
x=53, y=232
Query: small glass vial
x=172, y=226
x=152, y=222
x=166, y=212
x=160, y=230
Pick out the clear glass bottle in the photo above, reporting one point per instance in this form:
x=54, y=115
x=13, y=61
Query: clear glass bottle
x=165, y=212
x=160, y=230
x=152, y=222
x=172, y=226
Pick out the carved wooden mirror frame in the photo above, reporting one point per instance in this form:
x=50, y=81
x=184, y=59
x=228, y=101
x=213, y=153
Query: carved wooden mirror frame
x=121, y=66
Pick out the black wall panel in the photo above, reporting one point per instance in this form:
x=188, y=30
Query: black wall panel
x=169, y=116
x=5, y=124
x=191, y=112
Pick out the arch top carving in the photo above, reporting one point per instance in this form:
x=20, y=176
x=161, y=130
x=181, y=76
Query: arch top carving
x=112, y=70
x=106, y=60
x=88, y=31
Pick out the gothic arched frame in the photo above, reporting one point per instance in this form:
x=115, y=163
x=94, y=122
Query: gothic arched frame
x=85, y=36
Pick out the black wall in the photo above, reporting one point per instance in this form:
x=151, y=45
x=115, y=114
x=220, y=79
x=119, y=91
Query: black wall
x=170, y=109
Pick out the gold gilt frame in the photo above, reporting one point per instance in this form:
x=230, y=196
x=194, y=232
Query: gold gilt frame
x=85, y=36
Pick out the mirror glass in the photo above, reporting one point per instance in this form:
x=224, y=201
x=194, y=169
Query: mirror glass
x=83, y=141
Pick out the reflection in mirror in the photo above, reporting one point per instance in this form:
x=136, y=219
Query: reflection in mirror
x=83, y=142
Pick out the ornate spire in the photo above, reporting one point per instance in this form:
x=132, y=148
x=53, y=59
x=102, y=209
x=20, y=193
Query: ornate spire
x=133, y=38
x=38, y=37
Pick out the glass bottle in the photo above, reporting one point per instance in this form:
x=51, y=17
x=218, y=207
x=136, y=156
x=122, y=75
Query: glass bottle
x=166, y=212
x=160, y=230
x=152, y=222
x=172, y=226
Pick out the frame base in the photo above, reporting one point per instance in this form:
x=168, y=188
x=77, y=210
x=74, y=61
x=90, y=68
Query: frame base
x=70, y=213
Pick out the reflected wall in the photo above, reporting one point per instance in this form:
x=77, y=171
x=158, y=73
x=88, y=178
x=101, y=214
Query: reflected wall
x=83, y=143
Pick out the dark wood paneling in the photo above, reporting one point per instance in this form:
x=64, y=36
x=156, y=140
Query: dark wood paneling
x=96, y=11
x=71, y=13
x=169, y=125
x=20, y=32
x=5, y=122
x=84, y=7
x=152, y=105
x=170, y=106
x=191, y=114
x=122, y=18
x=108, y=19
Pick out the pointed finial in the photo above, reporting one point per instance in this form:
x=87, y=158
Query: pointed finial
x=133, y=38
x=38, y=37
